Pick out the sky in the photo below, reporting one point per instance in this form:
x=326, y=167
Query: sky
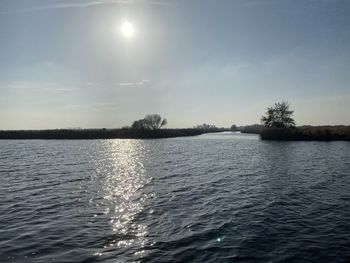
x=66, y=64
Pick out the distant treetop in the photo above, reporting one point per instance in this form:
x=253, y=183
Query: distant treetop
x=205, y=126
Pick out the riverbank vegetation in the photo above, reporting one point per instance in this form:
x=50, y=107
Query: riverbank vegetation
x=253, y=129
x=147, y=128
x=307, y=133
x=279, y=125
x=72, y=134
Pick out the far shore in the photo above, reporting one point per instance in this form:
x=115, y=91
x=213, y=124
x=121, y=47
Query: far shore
x=301, y=133
x=307, y=133
x=90, y=134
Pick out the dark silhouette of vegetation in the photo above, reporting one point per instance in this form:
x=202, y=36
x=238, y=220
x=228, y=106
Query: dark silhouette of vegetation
x=306, y=133
x=146, y=128
x=278, y=116
x=279, y=125
x=233, y=127
x=150, y=122
x=125, y=133
x=138, y=125
x=206, y=127
x=254, y=129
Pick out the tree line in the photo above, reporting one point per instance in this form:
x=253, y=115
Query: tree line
x=278, y=115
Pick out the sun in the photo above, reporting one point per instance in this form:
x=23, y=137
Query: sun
x=127, y=29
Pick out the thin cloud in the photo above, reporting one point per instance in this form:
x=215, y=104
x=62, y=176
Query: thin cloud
x=125, y=84
x=139, y=83
x=81, y=4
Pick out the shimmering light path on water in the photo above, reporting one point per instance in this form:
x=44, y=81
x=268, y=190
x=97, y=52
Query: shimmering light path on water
x=212, y=198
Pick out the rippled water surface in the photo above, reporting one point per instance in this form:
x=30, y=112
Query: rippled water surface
x=212, y=198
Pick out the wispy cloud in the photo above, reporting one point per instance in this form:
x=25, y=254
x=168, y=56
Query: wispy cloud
x=139, y=83
x=80, y=4
x=125, y=84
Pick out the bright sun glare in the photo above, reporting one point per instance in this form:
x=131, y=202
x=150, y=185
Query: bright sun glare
x=127, y=29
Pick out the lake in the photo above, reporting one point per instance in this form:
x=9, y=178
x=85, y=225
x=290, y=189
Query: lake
x=224, y=197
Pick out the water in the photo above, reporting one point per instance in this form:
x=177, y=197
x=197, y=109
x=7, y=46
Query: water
x=212, y=198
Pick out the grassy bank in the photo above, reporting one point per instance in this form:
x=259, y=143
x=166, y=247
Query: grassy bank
x=253, y=129
x=98, y=134
x=307, y=133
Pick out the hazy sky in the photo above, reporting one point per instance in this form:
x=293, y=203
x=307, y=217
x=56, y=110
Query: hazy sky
x=65, y=63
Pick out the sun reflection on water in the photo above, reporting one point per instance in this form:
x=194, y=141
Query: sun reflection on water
x=122, y=178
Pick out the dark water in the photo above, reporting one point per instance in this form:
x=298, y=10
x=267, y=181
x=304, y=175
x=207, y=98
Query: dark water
x=212, y=198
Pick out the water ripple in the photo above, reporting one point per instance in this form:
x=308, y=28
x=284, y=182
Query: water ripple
x=212, y=198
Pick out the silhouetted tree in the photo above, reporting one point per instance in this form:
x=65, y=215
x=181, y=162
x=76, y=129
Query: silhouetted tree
x=139, y=124
x=150, y=122
x=233, y=127
x=279, y=116
x=154, y=121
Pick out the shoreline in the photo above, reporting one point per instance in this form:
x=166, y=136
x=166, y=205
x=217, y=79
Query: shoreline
x=96, y=134
x=307, y=133
x=301, y=133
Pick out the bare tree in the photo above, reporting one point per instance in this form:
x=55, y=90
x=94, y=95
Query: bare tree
x=139, y=124
x=150, y=122
x=279, y=116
